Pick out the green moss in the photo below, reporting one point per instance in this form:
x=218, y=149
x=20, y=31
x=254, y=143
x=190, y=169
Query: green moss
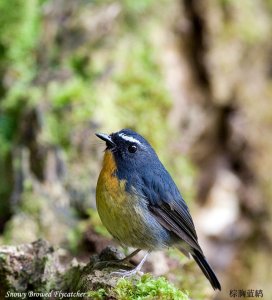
x=148, y=288
x=145, y=288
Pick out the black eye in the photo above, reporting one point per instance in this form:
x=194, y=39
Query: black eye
x=132, y=148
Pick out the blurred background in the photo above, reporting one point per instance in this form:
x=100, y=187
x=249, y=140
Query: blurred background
x=194, y=77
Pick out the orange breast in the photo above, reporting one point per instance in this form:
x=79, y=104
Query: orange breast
x=107, y=179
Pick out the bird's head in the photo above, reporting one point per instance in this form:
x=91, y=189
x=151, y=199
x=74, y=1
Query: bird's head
x=129, y=149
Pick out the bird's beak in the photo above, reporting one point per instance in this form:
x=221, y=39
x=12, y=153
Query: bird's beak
x=105, y=138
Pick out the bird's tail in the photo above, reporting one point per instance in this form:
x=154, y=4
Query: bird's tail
x=206, y=269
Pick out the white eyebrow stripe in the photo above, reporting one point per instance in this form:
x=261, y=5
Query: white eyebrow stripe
x=129, y=138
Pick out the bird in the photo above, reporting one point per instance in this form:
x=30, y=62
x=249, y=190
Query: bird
x=139, y=203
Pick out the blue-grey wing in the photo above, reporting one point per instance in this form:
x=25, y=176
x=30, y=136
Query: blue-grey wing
x=168, y=207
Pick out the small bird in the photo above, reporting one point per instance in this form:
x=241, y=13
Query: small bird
x=140, y=204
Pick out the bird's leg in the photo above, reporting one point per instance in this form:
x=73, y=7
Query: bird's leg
x=116, y=262
x=129, y=273
x=127, y=258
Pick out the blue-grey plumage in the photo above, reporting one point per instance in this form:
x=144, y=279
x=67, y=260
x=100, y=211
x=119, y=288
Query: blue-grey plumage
x=140, y=204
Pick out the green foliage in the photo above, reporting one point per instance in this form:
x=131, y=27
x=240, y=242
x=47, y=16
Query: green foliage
x=97, y=295
x=148, y=288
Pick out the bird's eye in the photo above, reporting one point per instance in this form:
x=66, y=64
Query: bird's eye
x=132, y=148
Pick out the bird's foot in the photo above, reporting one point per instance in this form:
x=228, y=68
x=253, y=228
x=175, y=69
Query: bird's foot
x=125, y=273
x=129, y=273
x=112, y=262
